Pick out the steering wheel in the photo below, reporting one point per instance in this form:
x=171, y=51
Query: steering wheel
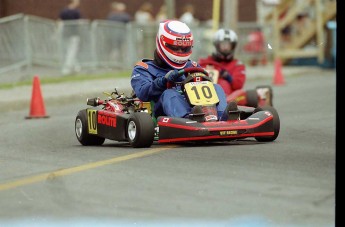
x=189, y=78
x=192, y=70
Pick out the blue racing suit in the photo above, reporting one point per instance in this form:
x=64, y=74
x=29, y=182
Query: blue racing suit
x=168, y=102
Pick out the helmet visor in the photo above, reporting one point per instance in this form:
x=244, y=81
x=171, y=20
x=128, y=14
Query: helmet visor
x=179, y=49
x=225, y=47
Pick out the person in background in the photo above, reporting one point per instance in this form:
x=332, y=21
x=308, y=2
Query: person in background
x=150, y=77
x=162, y=14
x=255, y=46
x=71, y=11
x=144, y=14
x=71, y=37
x=117, y=39
x=232, y=74
x=188, y=15
x=144, y=18
x=302, y=22
x=118, y=13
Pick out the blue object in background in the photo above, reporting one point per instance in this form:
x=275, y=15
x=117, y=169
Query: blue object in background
x=332, y=25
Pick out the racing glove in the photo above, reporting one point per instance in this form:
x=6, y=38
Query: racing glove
x=225, y=75
x=161, y=82
x=171, y=76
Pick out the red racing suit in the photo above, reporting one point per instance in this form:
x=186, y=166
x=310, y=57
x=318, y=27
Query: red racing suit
x=235, y=70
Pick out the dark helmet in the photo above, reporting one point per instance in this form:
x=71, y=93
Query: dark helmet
x=225, y=42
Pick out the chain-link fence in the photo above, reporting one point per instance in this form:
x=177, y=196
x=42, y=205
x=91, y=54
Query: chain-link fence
x=81, y=45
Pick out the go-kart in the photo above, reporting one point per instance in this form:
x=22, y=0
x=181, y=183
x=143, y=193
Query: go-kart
x=260, y=96
x=126, y=118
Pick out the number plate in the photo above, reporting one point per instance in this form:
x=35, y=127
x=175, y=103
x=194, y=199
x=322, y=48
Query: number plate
x=201, y=93
x=92, y=121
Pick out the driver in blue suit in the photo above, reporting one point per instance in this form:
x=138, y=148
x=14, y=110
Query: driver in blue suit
x=149, y=78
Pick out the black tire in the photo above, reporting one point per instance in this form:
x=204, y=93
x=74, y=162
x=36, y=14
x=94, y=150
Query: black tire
x=252, y=98
x=276, y=124
x=140, y=130
x=81, y=133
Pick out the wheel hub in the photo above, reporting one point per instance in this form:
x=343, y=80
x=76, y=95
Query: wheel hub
x=132, y=130
x=78, y=127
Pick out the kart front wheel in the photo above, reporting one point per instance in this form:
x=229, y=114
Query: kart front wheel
x=252, y=98
x=276, y=124
x=82, y=134
x=140, y=130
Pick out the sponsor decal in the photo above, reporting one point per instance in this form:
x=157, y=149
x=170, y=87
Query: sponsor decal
x=228, y=133
x=194, y=63
x=211, y=117
x=254, y=118
x=135, y=75
x=115, y=106
x=183, y=43
x=240, y=98
x=199, y=82
x=165, y=120
x=268, y=113
x=184, y=38
x=106, y=120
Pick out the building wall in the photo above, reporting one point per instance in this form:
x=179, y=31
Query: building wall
x=98, y=9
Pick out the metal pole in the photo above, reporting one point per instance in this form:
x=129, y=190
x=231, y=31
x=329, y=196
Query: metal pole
x=215, y=15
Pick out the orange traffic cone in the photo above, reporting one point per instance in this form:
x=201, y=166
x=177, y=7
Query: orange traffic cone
x=278, y=75
x=37, y=109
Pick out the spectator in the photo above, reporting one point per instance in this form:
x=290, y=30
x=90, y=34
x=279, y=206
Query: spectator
x=71, y=37
x=188, y=15
x=119, y=13
x=117, y=38
x=144, y=18
x=162, y=13
x=144, y=15
x=255, y=46
x=302, y=22
x=71, y=11
x=286, y=35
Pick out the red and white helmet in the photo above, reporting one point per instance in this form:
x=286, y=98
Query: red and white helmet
x=174, y=43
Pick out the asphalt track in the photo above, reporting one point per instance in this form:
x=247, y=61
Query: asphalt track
x=48, y=179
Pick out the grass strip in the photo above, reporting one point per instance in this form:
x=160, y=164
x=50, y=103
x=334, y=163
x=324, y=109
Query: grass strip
x=68, y=78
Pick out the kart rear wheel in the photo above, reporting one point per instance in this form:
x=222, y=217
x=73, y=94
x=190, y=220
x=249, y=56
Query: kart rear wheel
x=83, y=136
x=140, y=130
x=276, y=124
x=252, y=98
